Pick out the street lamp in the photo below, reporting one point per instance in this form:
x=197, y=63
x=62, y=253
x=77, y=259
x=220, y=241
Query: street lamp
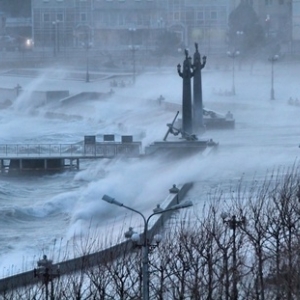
x=233, y=55
x=47, y=273
x=55, y=28
x=88, y=45
x=54, y=37
x=233, y=222
x=272, y=59
x=18, y=89
x=133, y=49
x=267, y=25
x=175, y=190
x=145, y=244
x=239, y=35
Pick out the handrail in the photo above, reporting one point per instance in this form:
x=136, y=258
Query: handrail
x=101, y=149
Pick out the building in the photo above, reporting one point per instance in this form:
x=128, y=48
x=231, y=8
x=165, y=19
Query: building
x=115, y=24
x=276, y=17
x=15, y=18
x=58, y=24
x=202, y=21
x=75, y=23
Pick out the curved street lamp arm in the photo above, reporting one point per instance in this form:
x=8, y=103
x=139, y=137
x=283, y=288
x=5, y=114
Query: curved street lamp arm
x=174, y=207
x=136, y=211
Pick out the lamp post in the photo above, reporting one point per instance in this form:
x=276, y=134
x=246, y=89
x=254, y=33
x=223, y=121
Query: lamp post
x=54, y=37
x=240, y=43
x=267, y=26
x=55, y=29
x=18, y=89
x=47, y=273
x=57, y=36
x=133, y=49
x=239, y=34
x=272, y=59
x=233, y=222
x=145, y=244
x=198, y=123
x=233, y=55
x=175, y=190
x=88, y=46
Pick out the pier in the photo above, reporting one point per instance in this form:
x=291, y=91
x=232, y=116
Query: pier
x=59, y=157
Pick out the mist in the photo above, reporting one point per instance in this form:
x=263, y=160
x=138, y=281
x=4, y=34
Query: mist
x=69, y=205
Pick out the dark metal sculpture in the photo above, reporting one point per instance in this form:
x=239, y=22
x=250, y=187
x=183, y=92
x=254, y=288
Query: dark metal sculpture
x=175, y=131
x=198, y=123
x=171, y=128
x=186, y=74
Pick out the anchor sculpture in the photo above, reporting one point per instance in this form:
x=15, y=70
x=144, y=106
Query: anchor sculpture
x=175, y=131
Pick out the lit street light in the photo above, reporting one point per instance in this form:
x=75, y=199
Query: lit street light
x=55, y=28
x=233, y=55
x=46, y=272
x=233, y=223
x=145, y=244
x=272, y=59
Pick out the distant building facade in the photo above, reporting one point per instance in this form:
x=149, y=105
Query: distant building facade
x=202, y=21
x=106, y=23
x=276, y=17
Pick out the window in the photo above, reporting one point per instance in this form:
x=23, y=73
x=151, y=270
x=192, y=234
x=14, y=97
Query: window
x=83, y=17
x=60, y=17
x=200, y=18
x=200, y=15
x=213, y=15
x=46, y=18
x=176, y=16
x=121, y=20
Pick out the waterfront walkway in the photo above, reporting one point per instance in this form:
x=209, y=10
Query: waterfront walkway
x=103, y=256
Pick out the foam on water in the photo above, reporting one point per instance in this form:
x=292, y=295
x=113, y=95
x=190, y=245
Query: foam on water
x=47, y=209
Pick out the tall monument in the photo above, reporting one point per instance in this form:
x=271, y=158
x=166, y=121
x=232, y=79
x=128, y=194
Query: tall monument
x=187, y=114
x=198, y=123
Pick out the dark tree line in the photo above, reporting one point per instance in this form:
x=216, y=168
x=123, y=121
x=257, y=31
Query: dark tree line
x=201, y=258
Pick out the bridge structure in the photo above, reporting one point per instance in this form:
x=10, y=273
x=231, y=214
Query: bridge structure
x=59, y=157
